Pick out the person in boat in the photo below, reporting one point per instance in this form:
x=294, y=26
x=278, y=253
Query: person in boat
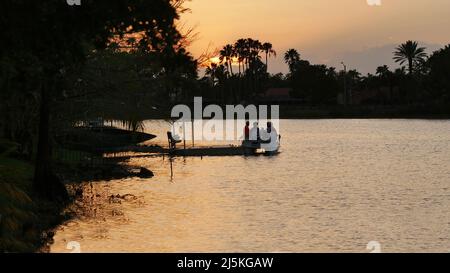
x=254, y=138
x=271, y=130
x=255, y=133
x=267, y=134
x=247, y=131
x=270, y=139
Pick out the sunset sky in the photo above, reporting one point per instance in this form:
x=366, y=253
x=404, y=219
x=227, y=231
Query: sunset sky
x=324, y=31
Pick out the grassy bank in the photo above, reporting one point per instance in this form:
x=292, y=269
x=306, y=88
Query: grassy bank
x=24, y=218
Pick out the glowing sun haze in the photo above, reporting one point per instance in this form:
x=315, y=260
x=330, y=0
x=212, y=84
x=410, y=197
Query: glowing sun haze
x=324, y=31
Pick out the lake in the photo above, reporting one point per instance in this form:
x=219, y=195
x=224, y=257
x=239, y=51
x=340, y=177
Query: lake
x=336, y=186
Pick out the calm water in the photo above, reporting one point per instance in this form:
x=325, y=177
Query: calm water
x=336, y=186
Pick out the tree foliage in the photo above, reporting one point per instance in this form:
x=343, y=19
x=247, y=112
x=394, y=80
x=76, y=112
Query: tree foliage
x=44, y=42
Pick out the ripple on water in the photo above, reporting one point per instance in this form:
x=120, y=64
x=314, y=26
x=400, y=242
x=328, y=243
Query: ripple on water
x=336, y=186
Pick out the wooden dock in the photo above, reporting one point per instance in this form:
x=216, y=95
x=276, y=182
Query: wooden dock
x=209, y=151
x=147, y=151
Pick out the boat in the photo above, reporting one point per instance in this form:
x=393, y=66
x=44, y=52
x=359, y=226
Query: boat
x=247, y=148
x=100, y=138
x=272, y=148
x=269, y=148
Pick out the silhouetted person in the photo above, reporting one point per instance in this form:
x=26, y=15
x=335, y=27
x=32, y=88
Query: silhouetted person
x=270, y=134
x=272, y=130
x=247, y=130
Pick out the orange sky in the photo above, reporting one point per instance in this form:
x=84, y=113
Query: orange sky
x=324, y=31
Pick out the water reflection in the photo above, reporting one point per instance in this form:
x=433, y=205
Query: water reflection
x=336, y=186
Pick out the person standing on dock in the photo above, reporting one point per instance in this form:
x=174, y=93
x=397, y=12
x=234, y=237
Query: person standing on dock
x=247, y=130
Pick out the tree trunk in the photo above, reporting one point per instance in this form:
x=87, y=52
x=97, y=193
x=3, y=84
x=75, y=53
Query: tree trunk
x=43, y=166
x=45, y=183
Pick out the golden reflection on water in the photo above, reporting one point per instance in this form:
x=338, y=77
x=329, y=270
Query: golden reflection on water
x=336, y=186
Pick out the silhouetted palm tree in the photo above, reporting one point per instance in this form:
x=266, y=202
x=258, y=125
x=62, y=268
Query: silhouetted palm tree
x=211, y=72
x=383, y=71
x=269, y=51
x=226, y=55
x=386, y=78
x=255, y=46
x=410, y=52
x=291, y=57
x=240, y=48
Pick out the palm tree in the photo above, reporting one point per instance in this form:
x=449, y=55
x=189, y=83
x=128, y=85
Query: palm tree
x=251, y=51
x=269, y=51
x=211, y=72
x=383, y=71
x=226, y=55
x=386, y=78
x=256, y=48
x=240, y=50
x=249, y=43
x=291, y=57
x=410, y=52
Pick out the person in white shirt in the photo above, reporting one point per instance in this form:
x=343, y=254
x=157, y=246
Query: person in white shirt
x=270, y=138
x=254, y=132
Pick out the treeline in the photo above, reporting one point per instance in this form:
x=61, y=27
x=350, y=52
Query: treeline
x=422, y=79
x=240, y=72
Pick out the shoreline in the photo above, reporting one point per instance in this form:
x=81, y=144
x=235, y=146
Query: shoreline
x=427, y=112
x=28, y=222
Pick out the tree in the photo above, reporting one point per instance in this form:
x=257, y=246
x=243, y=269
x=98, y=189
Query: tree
x=383, y=71
x=291, y=57
x=252, y=70
x=411, y=53
x=317, y=84
x=226, y=55
x=439, y=71
x=386, y=78
x=57, y=37
x=269, y=51
x=240, y=48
